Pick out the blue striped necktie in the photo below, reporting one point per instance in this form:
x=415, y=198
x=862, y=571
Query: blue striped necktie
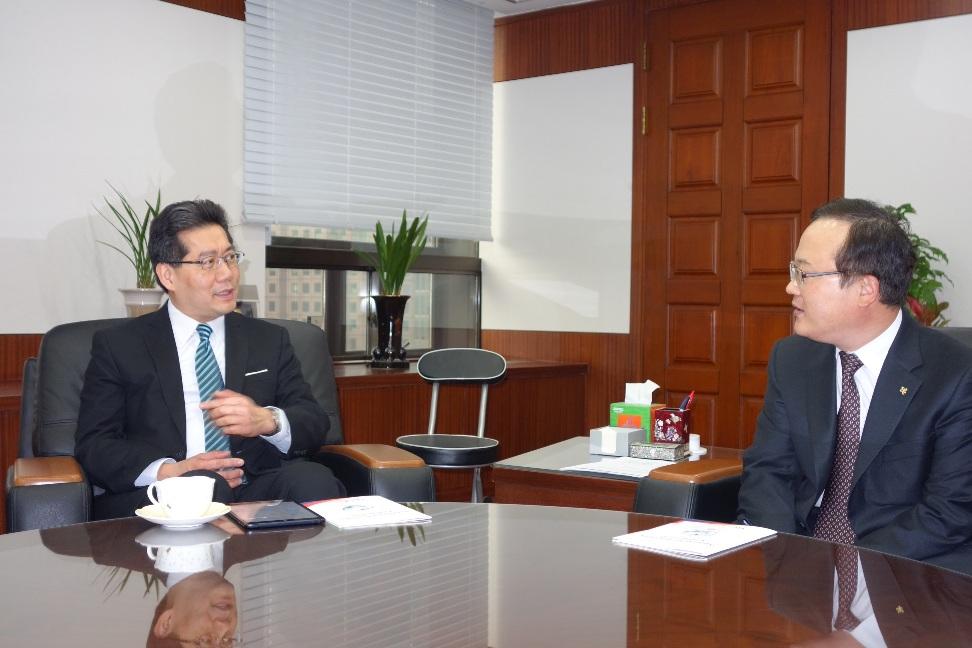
x=210, y=381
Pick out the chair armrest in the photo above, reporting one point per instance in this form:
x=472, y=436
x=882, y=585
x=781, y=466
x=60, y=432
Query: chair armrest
x=37, y=471
x=45, y=492
x=376, y=455
x=375, y=469
x=702, y=471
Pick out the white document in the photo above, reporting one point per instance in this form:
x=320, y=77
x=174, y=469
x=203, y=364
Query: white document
x=624, y=466
x=366, y=511
x=693, y=540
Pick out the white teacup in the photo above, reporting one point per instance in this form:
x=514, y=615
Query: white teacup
x=183, y=497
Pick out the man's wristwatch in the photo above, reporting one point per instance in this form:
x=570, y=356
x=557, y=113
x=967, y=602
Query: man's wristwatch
x=275, y=413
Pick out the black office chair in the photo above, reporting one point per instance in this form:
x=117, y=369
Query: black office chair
x=458, y=451
x=707, y=489
x=46, y=486
x=961, y=333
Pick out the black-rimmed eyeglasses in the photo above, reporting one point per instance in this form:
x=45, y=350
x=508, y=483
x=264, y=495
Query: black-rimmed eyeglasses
x=798, y=276
x=208, y=264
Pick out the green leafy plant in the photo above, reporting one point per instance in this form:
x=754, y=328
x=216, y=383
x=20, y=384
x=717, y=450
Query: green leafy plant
x=395, y=253
x=134, y=229
x=927, y=279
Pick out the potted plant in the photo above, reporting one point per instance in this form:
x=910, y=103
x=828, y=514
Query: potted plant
x=394, y=255
x=922, y=299
x=134, y=229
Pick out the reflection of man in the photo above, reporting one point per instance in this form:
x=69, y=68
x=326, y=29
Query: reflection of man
x=894, y=603
x=866, y=432
x=199, y=607
x=194, y=388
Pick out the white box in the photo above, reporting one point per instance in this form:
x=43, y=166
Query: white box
x=615, y=441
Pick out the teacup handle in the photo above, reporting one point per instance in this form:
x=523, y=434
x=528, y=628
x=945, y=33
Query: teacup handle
x=151, y=554
x=151, y=492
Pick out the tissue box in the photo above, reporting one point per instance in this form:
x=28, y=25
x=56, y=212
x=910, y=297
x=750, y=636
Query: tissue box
x=634, y=415
x=663, y=451
x=615, y=441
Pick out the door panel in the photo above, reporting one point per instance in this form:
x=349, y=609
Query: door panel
x=737, y=108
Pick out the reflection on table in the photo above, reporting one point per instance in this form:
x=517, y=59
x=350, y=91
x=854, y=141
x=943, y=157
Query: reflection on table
x=477, y=575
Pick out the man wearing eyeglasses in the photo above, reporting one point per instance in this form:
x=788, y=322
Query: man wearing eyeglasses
x=194, y=388
x=865, y=437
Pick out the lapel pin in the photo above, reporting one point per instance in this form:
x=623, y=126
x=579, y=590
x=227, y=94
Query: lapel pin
x=904, y=391
x=899, y=610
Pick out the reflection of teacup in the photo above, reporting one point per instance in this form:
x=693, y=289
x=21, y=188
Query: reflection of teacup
x=183, y=497
x=184, y=551
x=186, y=560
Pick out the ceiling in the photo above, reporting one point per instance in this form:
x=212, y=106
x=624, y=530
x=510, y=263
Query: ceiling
x=513, y=7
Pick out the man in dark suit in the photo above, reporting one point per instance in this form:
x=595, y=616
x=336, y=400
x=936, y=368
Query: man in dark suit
x=195, y=388
x=866, y=431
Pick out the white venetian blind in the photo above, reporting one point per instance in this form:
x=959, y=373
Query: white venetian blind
x=357, y=109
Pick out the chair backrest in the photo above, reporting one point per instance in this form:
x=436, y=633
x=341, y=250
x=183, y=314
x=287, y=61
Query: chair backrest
x=961, y=333
x=462, y=366
x=66, y=350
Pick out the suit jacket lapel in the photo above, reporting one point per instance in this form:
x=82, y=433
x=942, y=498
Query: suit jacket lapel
x=236, y=353
x=896, y=387
x=821, y=408
x=160, y=342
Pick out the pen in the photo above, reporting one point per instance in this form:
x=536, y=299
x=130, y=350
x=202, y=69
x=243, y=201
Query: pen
x=687, y=401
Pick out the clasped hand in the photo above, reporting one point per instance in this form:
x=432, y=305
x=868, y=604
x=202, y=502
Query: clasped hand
x=234, y=414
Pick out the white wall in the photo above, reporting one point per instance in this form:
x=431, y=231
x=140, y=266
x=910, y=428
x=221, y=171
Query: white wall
x=136, y=92
x=560, y=259
x=909, y=134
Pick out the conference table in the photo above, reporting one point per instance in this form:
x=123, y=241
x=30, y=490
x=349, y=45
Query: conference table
x=494, y=575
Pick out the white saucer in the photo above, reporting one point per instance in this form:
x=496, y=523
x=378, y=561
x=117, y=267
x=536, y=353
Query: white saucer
x=155, y=513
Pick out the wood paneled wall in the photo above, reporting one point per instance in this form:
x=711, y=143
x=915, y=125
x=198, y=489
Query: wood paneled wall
x=572, y=38
x=230, y=8
x=577, y=37
x=848, y=15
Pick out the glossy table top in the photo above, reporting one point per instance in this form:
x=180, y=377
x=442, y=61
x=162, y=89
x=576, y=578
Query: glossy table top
x=476, y=575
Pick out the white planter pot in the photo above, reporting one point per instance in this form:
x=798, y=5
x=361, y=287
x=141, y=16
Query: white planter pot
x=139, y=301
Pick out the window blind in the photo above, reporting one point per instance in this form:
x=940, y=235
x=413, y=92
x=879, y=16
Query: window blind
x=358, y=109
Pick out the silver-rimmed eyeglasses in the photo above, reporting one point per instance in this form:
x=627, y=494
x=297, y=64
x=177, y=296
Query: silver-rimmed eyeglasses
x=798, y=276
x=208, y=264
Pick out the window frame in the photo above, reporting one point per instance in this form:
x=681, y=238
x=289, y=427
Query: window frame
x=293, y=253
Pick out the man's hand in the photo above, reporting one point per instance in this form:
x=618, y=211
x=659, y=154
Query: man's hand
x=231, y=468
x=238, y=415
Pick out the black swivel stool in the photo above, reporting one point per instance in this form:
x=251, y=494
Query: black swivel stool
x=458, y=451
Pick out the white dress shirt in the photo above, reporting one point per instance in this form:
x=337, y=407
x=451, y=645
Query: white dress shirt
x=187, y=340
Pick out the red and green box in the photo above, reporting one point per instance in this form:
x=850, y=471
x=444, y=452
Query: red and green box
x=635, y=415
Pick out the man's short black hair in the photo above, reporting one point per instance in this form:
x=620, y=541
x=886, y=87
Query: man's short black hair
x=876, y=245
x=164, y=243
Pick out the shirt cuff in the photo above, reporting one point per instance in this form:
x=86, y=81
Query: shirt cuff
x=151, y=473
x=281, y=440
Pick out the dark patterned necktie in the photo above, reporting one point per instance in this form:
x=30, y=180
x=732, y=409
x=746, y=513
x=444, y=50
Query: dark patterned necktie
x=833, y=523
x=210, y=382
x=845, y=563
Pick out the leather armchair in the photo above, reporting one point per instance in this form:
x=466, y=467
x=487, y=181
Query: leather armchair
x=46, y=487
x=707, y=489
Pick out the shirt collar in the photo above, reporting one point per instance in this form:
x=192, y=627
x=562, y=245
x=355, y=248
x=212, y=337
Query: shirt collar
x=184, y=327
x=873, y=353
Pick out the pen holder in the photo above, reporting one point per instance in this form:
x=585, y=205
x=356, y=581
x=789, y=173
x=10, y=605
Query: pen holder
x=671, y=425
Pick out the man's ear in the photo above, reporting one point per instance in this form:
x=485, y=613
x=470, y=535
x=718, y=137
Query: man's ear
x=869, y=290
x=164, y=275
x=163, y=625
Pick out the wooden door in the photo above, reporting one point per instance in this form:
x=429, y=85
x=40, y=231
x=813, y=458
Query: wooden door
x=736, y=159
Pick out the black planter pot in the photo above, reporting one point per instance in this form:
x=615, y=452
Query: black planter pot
x=390, y=311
